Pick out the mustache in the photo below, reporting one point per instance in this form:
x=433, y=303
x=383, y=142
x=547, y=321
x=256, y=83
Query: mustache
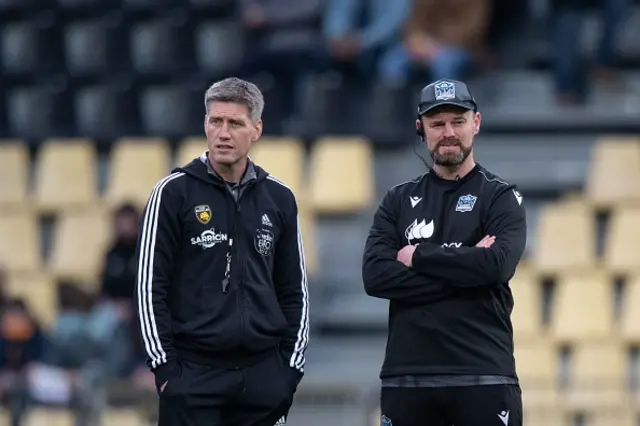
x=449, y=142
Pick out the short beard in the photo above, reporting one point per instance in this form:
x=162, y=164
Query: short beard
x=450, y=161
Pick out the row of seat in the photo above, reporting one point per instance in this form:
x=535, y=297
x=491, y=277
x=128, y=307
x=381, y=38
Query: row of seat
x=104, y=44
x=583, y=306
x=63, y=417
x=337, y=176
x=567, y=239
x=79, y=243
x=614, y=173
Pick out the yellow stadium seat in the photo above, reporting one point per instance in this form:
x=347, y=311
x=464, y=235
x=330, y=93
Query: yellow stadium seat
x=566, y=239
x=40, y=293
x=621, y=251
x=619, y=416
x=630, y=317
x=49, y=417
x=121, y=417
x=537, y=363
x=614, y=175
x=597, y=376
x=527, y=310
x=283, y=158
x=582, y=307
x=308, y=228
x=14, y=174
x=136, y=165
x=546, y=416
x=189, y=149
x=341, y=175
x=20, y=241
x=79, y=243
x=66, y=175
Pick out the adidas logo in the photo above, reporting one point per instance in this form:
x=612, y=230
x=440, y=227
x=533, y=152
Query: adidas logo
x=266, y=221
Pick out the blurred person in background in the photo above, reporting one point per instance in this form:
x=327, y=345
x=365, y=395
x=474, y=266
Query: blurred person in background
x=222, y=284
x=569, y=66
x=362, y=32
x=445, y=38
x=116, y=301
x=442, y=249
x=286, y=40
x=74, y=371
x=22, y=345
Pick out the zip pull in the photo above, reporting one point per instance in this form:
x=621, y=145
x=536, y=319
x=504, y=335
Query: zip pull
x=227, y=271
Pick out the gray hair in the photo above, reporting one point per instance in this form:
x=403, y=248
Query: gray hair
x=239, y=91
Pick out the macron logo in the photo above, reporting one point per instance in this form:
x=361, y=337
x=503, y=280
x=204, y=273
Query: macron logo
x=415, y=201
x=504, y=416
x=518, y=197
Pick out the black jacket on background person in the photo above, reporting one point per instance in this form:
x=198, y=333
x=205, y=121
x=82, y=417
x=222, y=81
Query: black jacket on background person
x=221, y=273
x=449, y=313
x=119, y=275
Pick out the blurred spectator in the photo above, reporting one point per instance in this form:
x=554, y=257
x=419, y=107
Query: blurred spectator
x=119, y=274
x=116, y=305
x=285, y=40
x=116, y=301
x=78, y=343
x=442, y=37
x=361, y=32
x=568, y=63
x=21, y=345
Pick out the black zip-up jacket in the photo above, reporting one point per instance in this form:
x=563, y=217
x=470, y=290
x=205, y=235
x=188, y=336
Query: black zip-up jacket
x=221, y=271
x=450, y=312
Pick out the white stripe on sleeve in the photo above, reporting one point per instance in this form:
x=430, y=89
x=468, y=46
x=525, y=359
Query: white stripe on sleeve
x=297, y=358
x=149, y=330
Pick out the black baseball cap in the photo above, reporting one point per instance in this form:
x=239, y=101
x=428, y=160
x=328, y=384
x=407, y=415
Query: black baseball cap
x=446, y=92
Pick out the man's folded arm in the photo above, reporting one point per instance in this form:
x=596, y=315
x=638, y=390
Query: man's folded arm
x=383, y=275
x=466, y=267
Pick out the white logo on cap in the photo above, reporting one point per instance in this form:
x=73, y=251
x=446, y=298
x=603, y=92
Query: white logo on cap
x=445, y=90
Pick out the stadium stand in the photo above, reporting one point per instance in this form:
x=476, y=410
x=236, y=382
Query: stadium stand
x=14, y=168
x=100, y=99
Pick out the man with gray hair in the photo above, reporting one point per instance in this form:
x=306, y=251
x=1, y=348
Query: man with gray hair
x=222, y=284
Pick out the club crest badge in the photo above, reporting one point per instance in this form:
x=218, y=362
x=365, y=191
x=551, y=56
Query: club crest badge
x=445, y=90
x=264, y=241
x=466, y=203
x=203, y=213
x=385, y=421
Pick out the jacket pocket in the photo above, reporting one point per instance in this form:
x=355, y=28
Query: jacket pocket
x=170, y=383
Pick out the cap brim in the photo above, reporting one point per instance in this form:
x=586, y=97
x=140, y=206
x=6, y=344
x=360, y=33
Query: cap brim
x=430, y=107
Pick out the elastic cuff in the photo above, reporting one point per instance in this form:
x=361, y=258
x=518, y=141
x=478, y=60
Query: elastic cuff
x=165, y=371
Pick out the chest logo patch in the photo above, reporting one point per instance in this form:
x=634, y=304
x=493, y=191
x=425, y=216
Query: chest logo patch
x=209, y=239
x=466, y=203
x=203, y=213
x=264, y=241
x=419, y=230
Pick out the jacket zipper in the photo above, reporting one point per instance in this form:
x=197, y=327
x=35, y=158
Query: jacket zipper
x=230, y=248
x=234, y=250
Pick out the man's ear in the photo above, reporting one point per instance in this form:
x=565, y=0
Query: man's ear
x=206, y=117
x=258, y=130
x=476, y=123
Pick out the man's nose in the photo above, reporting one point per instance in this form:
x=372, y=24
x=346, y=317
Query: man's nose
x=448, y=130
x=224, y=132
